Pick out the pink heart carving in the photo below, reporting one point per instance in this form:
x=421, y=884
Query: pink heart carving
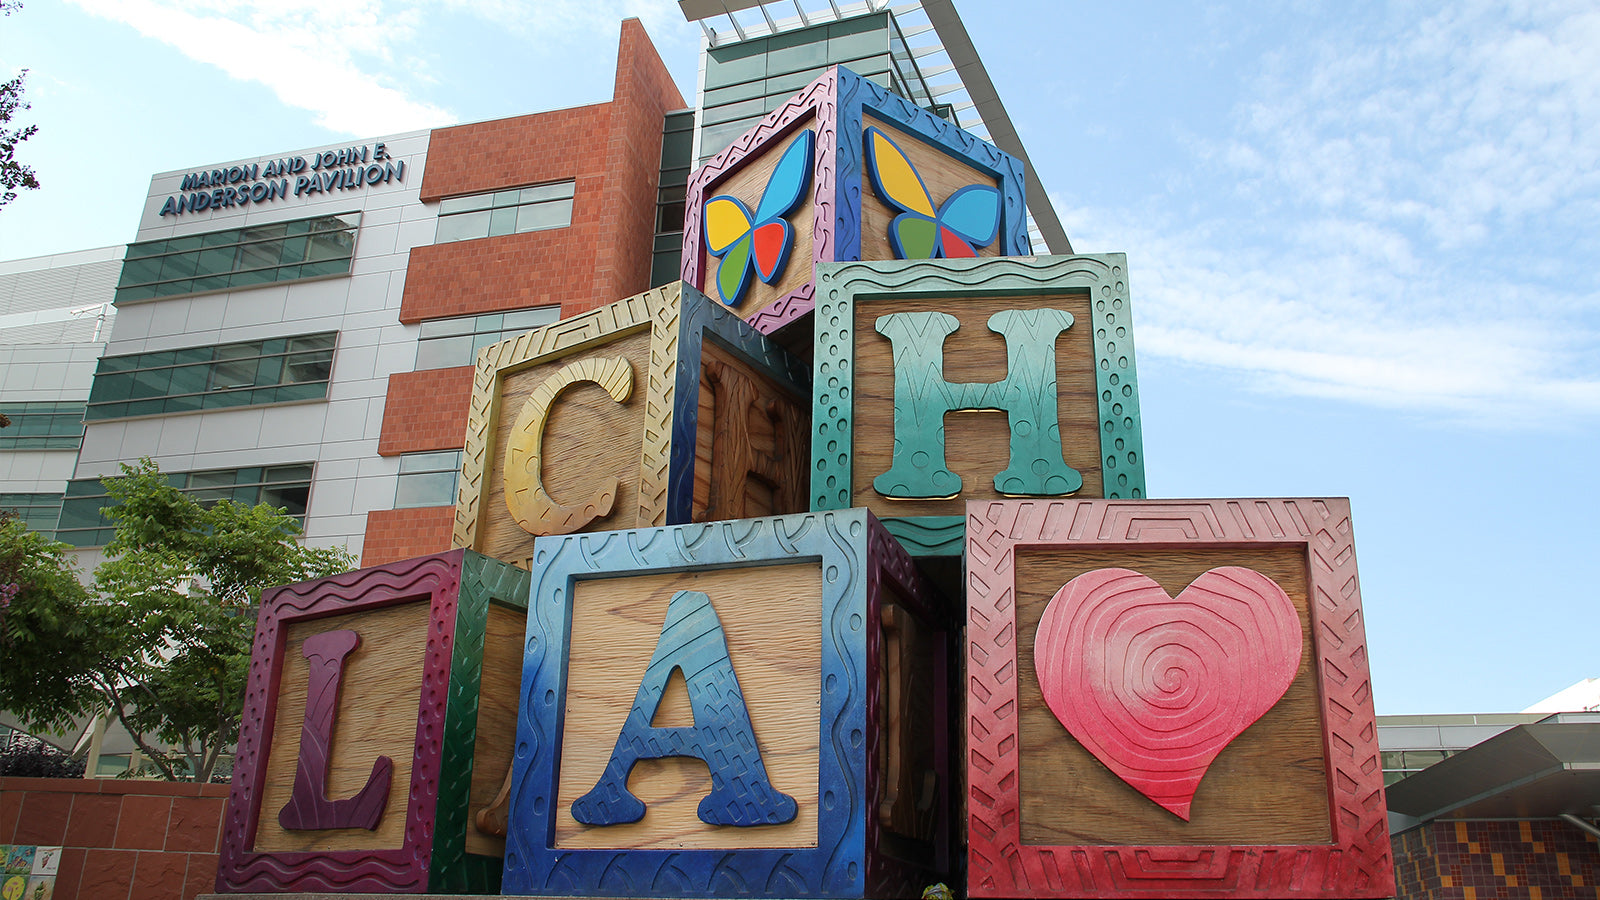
x=1156, y=686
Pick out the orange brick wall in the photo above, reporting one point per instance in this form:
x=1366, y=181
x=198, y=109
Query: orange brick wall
x=1537, y=859
x=426, y=410
x=613, y=153
x=403, y=533
x=123, y=840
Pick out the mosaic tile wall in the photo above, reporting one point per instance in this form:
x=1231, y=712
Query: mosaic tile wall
x=1544, y=859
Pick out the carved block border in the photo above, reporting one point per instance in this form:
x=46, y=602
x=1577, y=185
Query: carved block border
x=655, y=309
x=484, y=582
x=1359, y=861
x=836, y=866
x=838, y=101
x=842, y=285
x=404, y=870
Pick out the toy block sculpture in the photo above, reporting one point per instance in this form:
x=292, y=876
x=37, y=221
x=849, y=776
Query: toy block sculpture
x=380, y=713
x=661, y=408
x=1170, y=699
x=740, y=708
x=844, y=170
x=1035, y=353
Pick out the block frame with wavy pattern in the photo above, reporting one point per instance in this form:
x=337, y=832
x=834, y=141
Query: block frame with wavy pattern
x=679, y=319
x=1357, y=863
x=859, y=560
x=837, y=102
x=841, y=286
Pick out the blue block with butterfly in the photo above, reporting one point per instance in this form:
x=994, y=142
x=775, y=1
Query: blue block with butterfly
x=843, y=171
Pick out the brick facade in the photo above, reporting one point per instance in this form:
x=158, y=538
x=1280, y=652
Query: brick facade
x=1541, y=859
x=122, y=840
x=394, y=534
x=612, y=152
x=425, y=411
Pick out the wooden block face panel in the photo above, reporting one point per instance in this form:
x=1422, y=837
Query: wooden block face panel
x=377, y=716
x=943, y=174
x=772, y=617
x=497, y=720
x=747, y=185
x=1171, y=633
x=588, y=438
x=1266, y=787
x=751, y=449
x=977, y=443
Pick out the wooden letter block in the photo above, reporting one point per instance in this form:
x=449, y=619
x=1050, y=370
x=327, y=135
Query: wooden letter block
x=740, y=708
x=659, y=409
x=844, y=170
x=1170, y=699
x=943, y=381
x=379, y=718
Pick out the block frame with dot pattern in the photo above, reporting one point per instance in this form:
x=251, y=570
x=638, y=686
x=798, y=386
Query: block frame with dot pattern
x=853, y=382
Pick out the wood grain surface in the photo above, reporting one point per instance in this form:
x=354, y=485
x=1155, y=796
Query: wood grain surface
x=377, y=716
x=941, y=172
x=977, y=443
x=588, y=436
x=773, y=620
x=751, y=449
x=497, y=719
x=1269, y=786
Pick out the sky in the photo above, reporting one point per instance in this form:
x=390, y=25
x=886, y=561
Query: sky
x=1362, y=240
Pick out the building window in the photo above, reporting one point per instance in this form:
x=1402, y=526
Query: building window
x=251, y=373
x=455, y=342
x=285, y=487
x=427, y=479
x=505, y=212
x=1398, y=764
x=42, y=426
x=677, y=151
x=240, y=257
x=38, y=512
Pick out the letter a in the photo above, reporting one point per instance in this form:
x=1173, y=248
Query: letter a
x=309, y=808
x=693, y=641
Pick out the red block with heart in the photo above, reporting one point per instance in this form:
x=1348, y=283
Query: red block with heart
x=1169, y=699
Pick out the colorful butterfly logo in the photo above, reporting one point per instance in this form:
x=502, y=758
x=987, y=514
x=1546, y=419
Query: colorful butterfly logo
x=761, y=241
x=969, y=217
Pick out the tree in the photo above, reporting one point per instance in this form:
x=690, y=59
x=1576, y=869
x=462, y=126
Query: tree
x=13, y=174
x=163, y=641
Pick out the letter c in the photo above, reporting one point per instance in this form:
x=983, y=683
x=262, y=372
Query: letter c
x=526, y=498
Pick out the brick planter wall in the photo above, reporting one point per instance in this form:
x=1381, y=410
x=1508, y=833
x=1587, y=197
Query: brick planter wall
x=123, y=840
x=1539, y=859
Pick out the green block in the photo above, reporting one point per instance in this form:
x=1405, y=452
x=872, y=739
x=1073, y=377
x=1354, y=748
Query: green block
x=937, y=382
x=486, y=584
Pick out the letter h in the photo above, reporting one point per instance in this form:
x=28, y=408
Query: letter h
x=1027, y=395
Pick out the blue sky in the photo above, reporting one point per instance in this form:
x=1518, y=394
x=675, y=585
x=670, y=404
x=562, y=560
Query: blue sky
x=1362, y=240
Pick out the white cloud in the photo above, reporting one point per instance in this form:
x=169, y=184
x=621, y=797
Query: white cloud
x=1405, y=215
x=312, y=56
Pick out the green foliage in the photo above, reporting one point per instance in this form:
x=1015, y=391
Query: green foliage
x=47, y=643
x=164, y=639
x=13, y=174
x=36, y=759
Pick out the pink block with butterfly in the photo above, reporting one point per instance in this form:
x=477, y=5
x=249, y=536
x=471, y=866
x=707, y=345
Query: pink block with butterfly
x=843, y=171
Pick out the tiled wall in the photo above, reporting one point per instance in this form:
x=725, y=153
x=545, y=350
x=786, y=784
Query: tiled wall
x=122, y=840
x=395, y=534
x=1543, y=859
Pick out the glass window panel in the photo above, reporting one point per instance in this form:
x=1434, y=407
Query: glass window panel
x=330, y=245
x=444, y=353
x=260, y=256
x=150, y=383
x=429, y=489
x=314, y=341
x=216, y=260
x=275, y=474
x=522, y=320
x=309, y=367
x=503, y=221
x=212, y=283
x=293, y=249
x=804, y=57
x=456, y=205
x=741, y=62
x=192, y=242
x=438, y=328
x=442, y=461
x=179, y=265
x=190, y=379
x=139, y=271
x=290, y=497
x=558, y=191
x=326, y=267
x=743, y=109
x=539, y=216
x=146, y=248
x=463, y=227
x=263, y=232
x=506, y=198
x=730, y=94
